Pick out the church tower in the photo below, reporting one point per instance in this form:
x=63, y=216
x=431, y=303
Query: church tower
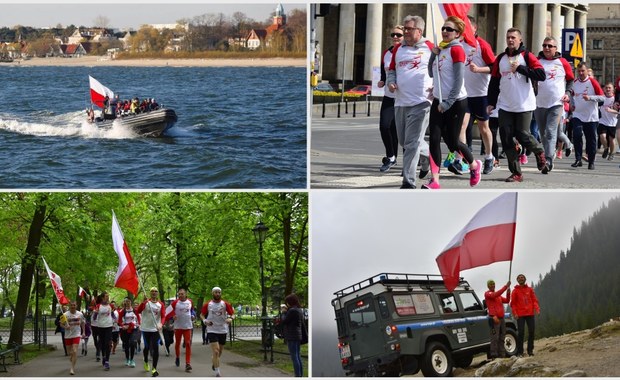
x=279, y=18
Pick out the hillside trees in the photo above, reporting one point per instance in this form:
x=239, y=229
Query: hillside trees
x=583, y=290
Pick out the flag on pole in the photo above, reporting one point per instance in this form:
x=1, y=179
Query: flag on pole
x=98, y=92
x=126, y=275
x=56, y=284
x=460, y=10
x=81, y=292
x=487, y=238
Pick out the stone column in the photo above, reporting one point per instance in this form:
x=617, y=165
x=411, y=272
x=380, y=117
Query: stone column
x=374, y=36
x=569, y=18
x=346, y=42
x=581, y=21
x=539, y=27
x=504, y=22
x=556, y=29
x=521, y=21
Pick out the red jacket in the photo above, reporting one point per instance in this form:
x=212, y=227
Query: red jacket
x=524, y=302
x=495, y=302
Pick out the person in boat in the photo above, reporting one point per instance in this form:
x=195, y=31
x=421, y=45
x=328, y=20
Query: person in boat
x=114, y=105
x=154, y=105
x=91, y=114
x=135, y=107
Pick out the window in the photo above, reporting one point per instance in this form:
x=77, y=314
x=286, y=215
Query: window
x=412, y=304
x=597, y=44
x=448, y=303
x=361, y=313
x=597, y=65
x=383, y=307
x=470, y=302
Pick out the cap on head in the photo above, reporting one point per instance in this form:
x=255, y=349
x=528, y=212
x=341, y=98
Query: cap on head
x=216, y=289
x=154, y=289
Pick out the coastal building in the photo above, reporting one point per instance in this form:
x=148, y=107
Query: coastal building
x=348, y=39
x=268, y=36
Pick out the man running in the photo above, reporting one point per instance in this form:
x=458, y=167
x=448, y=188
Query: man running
x=152, y=313
x=217, y=315
x=184, y=316
x=74, y=323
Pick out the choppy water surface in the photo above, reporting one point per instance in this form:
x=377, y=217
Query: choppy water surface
x=238, y=128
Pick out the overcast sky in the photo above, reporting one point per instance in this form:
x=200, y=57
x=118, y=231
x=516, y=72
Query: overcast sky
x=356, y=235
x=124, y=14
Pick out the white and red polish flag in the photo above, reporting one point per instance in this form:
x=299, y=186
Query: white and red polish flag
x=487, y=238
x=126, y=275
x=82, y=292
x=460, y=10
x=56, y=284
x=98, y=92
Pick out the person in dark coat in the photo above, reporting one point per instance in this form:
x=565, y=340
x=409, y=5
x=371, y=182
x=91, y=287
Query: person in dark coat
x=293, y=323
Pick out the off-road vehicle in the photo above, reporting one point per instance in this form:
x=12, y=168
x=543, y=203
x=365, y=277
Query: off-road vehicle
x=394, y=324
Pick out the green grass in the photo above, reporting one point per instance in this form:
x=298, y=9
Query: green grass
x=281, y=358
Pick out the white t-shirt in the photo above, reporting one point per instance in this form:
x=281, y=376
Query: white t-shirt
x=105, y=318
x=477, y=84
x=217, y=313
x=608, y=119
x=183, y=312
x=444, y=62
x=151, y=314
x=586, y=110
x=74, y=321
x=553, y=88
x=518, y=92
x=411, y=66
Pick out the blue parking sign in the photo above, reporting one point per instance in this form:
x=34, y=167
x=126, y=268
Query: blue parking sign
x=572, y=44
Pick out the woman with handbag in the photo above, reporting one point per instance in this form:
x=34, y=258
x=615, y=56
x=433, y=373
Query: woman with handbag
x=293, y=322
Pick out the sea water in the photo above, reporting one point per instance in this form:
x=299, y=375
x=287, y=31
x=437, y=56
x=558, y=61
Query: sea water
x=237, y=128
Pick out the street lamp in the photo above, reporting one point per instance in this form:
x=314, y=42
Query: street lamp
x=260, y=233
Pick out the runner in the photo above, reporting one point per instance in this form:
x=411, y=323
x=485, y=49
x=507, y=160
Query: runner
x=217, y=315
x=129, y=322
x=152, y=316
x=103, y=312
x=184, y=316
x=74, y=324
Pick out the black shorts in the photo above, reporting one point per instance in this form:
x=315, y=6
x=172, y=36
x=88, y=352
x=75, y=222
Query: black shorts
x=477, y=107
x=610, y=131
x=214, y=337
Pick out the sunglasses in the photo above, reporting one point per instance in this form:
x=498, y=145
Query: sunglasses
x=447, y=29
x=399, y=35
x=548, y=46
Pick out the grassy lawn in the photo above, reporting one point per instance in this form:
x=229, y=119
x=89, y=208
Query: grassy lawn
x=281, y=358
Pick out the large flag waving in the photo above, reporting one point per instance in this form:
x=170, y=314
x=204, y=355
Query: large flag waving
x=56, y=284
x=460, y=10
x=98, y=92
x=487, y=238
x=126, y=275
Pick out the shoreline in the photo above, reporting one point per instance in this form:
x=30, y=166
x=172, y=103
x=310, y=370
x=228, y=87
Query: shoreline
x=163, y=62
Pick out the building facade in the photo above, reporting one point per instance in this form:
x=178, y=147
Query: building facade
x=348, y=39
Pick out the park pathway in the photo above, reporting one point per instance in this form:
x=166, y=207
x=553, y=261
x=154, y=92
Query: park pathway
x=56, y=364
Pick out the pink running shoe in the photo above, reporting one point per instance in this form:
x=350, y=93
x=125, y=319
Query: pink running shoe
x=432, y=185
x=474, y=178
x=523, y=159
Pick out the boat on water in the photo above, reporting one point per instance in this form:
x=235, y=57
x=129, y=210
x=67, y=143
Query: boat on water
x=150, y=124
x=146, y=122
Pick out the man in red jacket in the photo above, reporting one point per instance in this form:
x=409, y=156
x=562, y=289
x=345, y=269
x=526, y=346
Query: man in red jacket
x=524, y=306
x=495, y=305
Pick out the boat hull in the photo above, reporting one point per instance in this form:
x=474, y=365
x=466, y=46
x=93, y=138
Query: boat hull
x=149, y=124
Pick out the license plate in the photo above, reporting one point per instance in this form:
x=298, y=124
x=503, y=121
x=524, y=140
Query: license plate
x=345, y=351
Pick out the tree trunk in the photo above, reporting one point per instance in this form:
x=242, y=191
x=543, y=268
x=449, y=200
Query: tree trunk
x=28, y=266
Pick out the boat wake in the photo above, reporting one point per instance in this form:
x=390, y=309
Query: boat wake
x=71, y=124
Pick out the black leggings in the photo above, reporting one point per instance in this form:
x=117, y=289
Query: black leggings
x=105, y=338
x=151, y=343
x=448, y=125
x=387, y=127
x=129, y=343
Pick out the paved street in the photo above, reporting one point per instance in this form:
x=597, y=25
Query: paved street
x=56, y=364
x=346, y=153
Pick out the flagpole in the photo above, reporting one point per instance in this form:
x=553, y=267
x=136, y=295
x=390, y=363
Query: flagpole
x=432, y=5
x=514, y=234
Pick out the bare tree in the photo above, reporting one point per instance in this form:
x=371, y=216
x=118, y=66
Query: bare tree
x=101, y=22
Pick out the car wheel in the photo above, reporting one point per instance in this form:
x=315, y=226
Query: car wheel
x=510, y=342
x=437, y=361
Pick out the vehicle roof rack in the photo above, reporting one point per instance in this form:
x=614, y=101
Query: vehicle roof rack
x=397, y=279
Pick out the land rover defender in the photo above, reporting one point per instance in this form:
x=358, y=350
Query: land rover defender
x=394, y=324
